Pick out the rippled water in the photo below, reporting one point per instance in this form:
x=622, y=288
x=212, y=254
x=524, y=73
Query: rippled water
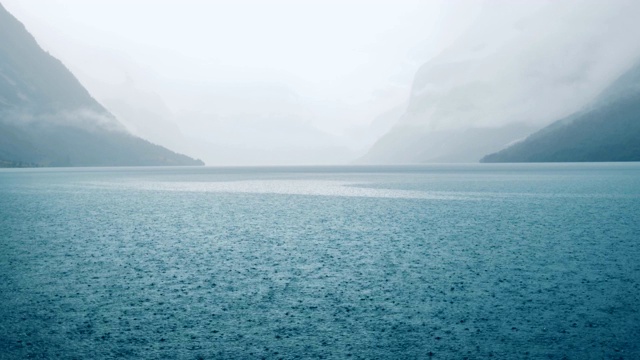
x=467, y=261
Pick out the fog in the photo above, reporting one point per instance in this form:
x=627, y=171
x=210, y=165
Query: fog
x=311, y=82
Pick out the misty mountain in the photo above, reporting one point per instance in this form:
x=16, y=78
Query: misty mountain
x=262, y=139
x=435, y=126
x=606, y=130
x=47, y=118
x=515, y=65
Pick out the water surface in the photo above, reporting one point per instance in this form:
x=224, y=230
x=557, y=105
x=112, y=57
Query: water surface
x=447, y=261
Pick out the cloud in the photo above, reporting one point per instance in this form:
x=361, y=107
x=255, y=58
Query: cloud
x=83, y=118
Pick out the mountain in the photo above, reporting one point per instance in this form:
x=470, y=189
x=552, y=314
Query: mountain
x=606, y=130
x=527, y=63
x=47, y=118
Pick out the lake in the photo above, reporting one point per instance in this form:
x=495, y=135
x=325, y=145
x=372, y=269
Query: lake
x=437, y=261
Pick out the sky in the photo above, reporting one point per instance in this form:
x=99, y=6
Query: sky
x=281, y=82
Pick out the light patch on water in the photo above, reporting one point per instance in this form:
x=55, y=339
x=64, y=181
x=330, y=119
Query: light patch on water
x=288, y=187
x=332, y=188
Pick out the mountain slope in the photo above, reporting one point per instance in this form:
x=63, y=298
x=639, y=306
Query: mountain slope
x=47, y=118
x=607, y=130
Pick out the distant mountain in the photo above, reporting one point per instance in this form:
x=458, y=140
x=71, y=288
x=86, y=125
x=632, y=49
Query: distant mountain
x=452, y=116
x=432, y=129
x=416, y=145
x=47, y=118
x=606, y=130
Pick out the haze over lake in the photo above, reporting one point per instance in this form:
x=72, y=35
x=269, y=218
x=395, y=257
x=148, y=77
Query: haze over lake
x=450, y=261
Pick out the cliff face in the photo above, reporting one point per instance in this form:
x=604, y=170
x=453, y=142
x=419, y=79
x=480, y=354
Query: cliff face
x=47, y=118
